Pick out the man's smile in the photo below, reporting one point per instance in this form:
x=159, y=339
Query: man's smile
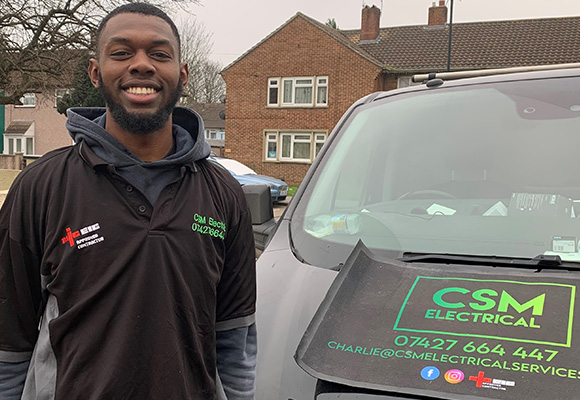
x=141, y=90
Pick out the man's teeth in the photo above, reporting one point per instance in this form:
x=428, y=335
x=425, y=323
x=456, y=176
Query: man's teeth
x=141, y=90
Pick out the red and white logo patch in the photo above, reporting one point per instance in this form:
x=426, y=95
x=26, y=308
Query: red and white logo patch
x=79, y=238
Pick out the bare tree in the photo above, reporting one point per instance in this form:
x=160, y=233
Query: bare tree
x=42, y=40
x=205, y=84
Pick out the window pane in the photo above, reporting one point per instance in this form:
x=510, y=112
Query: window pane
x=287, y=91
x=404, y=82
x=10, y=146
x=18, y=145
x=321, y=81
x=272, y=136
x=29, y=99
x=29, y=146
x=304, y=81
x=317, y=148
x=286, y=140
x=303, y=95
x=302, y=150
x=321, y=95
x=271, y=150
x=302, y=137
x=321, y=138
x=273, y=96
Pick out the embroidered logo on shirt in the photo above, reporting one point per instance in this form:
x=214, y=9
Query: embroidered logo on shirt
x=208, y=226
x=82, y=240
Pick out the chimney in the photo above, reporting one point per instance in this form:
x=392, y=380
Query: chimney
x=371, y=17
x=438, y=14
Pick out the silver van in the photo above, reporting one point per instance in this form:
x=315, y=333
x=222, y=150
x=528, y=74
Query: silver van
x=432, y=251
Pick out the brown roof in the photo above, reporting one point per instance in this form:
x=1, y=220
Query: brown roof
x=330, y=31
x=18, y=127
x=475, y=45
x=492, y=44
x=210, y=113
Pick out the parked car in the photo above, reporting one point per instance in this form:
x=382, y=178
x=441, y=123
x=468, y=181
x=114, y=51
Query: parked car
x=247, y=176
x=432, y=250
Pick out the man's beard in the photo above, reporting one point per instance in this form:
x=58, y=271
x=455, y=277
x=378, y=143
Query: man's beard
x=140, y=123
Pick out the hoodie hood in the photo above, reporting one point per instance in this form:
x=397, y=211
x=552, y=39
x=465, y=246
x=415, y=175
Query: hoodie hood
x=88, y=125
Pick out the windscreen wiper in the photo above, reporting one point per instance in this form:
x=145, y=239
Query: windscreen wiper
x=538, y=262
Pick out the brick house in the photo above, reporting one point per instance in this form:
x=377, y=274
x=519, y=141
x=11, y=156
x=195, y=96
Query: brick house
x=285, y=95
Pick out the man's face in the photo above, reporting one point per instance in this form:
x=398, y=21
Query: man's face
x=138, y=71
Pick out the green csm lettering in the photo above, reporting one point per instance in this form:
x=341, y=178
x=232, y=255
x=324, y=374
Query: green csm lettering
x=199, y=218
x=484, y=300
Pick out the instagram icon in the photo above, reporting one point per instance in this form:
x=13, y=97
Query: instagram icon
x=454, y=376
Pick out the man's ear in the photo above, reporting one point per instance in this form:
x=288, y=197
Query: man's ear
x=94, y=72
x=184, y=72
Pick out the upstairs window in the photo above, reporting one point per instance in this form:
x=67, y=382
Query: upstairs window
x=28, y=100
x=298, y=92
x=59, y=94
x=321, y=91
x=273, y=90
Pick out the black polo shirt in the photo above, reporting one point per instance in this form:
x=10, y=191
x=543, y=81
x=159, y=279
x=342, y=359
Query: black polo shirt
x=138, y=289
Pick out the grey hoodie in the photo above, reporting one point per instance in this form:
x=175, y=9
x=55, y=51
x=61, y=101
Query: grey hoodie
x=88, y=125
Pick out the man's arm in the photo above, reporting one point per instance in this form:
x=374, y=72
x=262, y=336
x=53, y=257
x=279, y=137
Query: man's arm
x=12, y=376
x=236, y=339
x=20, y=293
x=236, y=361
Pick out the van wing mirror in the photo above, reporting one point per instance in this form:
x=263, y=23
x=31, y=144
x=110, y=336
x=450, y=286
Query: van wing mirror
x=259, y=202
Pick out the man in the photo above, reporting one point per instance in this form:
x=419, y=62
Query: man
x=126, y=257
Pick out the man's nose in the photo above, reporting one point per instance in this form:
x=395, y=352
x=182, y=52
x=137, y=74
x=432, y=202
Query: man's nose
x=141, y=64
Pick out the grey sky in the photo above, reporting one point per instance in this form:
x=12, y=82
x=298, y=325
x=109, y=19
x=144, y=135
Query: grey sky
x=237, y=25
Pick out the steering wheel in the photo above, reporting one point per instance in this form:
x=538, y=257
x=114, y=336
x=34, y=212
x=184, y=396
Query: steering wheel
x=427, y=194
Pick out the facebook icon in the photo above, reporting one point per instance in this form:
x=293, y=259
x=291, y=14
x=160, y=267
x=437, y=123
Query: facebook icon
x=430, y=373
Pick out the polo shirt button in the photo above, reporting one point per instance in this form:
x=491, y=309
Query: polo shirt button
x=129, y=188
x=142, y=209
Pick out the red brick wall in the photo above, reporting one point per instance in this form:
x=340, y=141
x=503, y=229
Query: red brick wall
x=297, y=49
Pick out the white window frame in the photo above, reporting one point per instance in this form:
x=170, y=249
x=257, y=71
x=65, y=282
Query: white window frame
x=218, y=133
x=280, y=83
x=273, y=83
x=319, y=138
x=408, y=82
x=272, y=137
x=294, y=139
x=29, y=95
x=322, y=82
x=277, y=137
x=59, y=94
x=22, y=139
x=295, y=84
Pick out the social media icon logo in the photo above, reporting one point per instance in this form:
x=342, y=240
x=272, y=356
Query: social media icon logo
x=430, y=373
x=454, y=376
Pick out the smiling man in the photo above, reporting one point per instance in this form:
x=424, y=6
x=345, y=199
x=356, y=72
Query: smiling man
x=127, y=260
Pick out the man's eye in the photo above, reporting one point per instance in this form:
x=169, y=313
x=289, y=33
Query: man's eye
x=161, y=55
x=119, y=54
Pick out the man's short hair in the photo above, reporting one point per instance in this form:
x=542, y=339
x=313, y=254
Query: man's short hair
x=138, y=8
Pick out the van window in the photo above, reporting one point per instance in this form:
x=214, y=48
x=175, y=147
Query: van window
x=485, y=170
